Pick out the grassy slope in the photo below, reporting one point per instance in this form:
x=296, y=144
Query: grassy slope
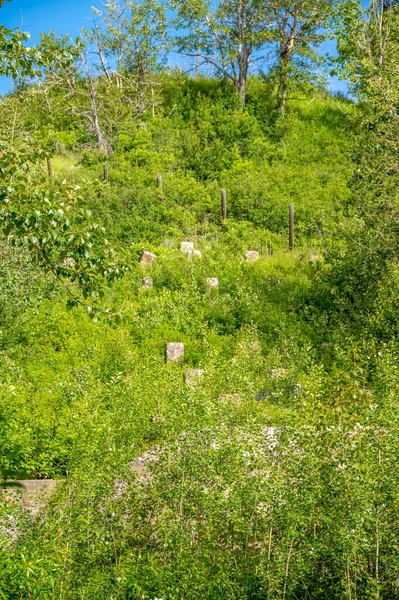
x=81, y=400
x=72, y=388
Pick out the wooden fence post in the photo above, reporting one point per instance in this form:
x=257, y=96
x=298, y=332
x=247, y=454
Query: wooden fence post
x=292, y=226
x=106, y=179
x=224, y=205
x=159, y=179
x=49, y=168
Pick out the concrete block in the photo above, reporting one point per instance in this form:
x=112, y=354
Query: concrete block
x=192, y=376
x=252, y=256
x=212, y=283
x=147, y=258
x=186, y=247
x=194, y=253
x=174, y=352
x=314, y=258
x=34, y=494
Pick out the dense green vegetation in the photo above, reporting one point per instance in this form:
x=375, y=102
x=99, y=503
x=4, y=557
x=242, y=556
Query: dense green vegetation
x=274, y=474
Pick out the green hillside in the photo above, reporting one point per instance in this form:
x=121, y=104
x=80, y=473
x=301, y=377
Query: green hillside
x=261, y=464
x=64, y=369
x=80, y=399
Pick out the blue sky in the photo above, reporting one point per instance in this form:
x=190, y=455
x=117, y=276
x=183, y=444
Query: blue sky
x=64, y=16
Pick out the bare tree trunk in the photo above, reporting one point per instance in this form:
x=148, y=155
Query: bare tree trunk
x=288, y=31
x=118, y=80
x=383, y=26
x=380, y=34
x=101, y=55
x=140, y=65
x=243, y=72
x=285, y=60
x=244, y=53
x=102, y=143
x=71, y=85
x=45, y=95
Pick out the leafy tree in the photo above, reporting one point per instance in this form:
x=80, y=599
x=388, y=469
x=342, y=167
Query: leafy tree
x=233, y=37
x=129, y=37
x=369, y=53
x=230, y=38
x=368, y=58
x=15, y=57
x=68, y=78
x=133, y=36
x=376, y=80
x=48, y=218
x=55, y=227
x=299, y=27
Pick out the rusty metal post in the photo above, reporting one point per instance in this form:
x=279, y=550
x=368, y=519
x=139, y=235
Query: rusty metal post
x=292, y=226
x=224, y=205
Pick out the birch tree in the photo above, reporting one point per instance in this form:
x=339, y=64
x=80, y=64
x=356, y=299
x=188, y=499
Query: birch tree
x=132, y=35
x=231, y=38
x=299, y=27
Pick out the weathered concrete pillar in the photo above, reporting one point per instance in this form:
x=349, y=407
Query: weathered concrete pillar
x=252, y=256
x=194, y=253
x=212, y=283
x=186, y=247
x=147, y=258
x=192, y=376
x=174, y=352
